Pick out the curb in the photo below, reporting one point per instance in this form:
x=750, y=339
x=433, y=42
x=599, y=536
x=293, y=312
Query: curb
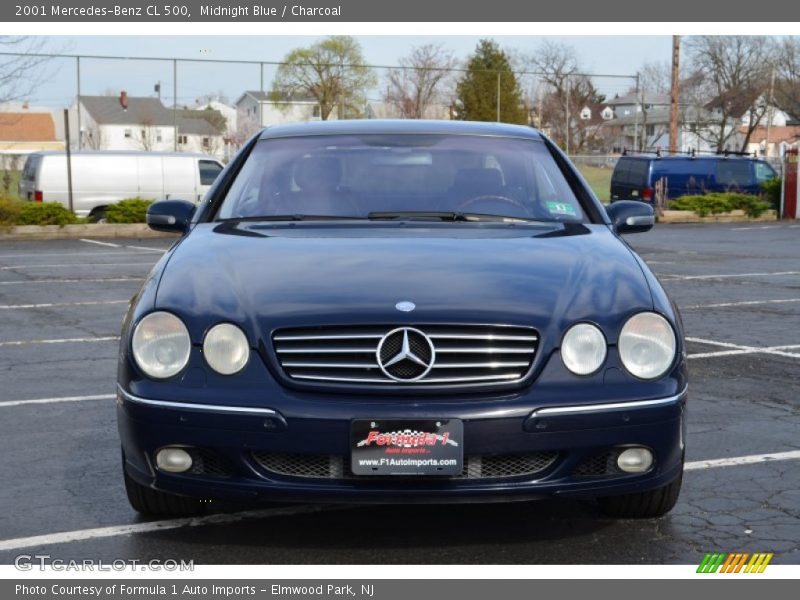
x=735, y=216
x=76, y=232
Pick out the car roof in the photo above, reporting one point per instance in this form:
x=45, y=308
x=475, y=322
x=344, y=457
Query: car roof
x=399, y=126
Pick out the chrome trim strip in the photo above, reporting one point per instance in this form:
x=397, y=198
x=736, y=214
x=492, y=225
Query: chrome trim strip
x=487, y=378
x=590, y=408
x=485, y=350
x=324, y=350
x=342, y=336
x=466, y=336
x=487, y=365
x=238, y=410
x=310, y=365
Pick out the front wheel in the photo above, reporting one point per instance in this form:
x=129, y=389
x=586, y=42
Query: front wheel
x=643, y=505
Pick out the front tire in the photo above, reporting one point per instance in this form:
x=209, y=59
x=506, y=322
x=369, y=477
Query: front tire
x=153, y=503
x=643, y=505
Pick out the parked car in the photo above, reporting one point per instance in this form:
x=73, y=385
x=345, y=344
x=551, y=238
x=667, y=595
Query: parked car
x=396, y=311
x=102, y=178
x=635, y=177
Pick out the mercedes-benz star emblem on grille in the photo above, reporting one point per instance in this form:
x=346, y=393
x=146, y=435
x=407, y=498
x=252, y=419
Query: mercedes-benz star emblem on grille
x=405, y=306
x=406, y=354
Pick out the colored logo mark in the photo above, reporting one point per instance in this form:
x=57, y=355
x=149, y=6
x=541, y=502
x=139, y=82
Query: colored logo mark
x=735, y=563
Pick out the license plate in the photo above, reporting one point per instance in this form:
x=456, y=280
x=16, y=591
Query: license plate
x=407, y=447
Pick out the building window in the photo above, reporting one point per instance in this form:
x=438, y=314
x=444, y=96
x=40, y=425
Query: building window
x=158, y=135
x=206, y=142
x=128, y=133
x=317, y=111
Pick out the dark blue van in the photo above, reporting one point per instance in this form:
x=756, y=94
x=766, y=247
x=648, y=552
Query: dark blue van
x=635, y=176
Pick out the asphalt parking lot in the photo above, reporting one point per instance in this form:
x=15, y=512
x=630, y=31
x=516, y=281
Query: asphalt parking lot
x=61, y=492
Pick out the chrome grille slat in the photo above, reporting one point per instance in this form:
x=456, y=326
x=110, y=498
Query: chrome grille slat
x=465, y=354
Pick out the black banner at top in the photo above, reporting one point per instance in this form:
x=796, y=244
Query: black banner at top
x=394, y=11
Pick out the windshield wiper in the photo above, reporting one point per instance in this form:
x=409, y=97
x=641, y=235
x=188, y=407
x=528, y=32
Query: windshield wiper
x=444, y=216
x=289, y=218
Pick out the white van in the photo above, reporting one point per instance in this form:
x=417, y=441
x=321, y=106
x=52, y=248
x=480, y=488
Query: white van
x=102, y=178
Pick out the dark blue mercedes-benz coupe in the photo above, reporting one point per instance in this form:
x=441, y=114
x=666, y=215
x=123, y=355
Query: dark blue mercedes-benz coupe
x=401, y=311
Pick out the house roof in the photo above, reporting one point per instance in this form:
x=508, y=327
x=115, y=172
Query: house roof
x=789, y=133
x=660, y=115
x=269, y=97
x=195, y=122
x=737, y=103
x=27, y=127
x=107, y=110
x=636, y=98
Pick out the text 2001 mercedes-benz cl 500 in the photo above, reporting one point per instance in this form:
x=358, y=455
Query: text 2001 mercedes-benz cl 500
x=401, y=311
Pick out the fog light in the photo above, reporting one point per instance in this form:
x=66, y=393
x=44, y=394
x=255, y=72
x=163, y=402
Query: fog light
x=635, y=460
x=174, y=460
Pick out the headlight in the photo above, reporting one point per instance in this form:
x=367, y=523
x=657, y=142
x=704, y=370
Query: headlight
x=226, y=349
x=161, y=345
x=647, y=345
x=583, y=349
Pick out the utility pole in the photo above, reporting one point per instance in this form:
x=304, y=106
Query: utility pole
x=674, y=96
x=175, y=104
x=636, y=116
x=770, y=111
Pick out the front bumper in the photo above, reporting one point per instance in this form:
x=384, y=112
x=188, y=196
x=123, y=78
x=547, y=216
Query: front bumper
x=234, y=436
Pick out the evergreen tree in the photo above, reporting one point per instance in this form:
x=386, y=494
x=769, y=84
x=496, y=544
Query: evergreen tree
x=477, y=89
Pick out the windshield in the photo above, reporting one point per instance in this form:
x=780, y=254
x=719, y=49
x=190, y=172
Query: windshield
x=380, y=176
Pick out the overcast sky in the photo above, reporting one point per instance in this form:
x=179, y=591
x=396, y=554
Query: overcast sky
x=620, y=55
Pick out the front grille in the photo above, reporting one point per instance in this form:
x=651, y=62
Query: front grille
x=324, y=466
x=599, y=465
x=429, y=354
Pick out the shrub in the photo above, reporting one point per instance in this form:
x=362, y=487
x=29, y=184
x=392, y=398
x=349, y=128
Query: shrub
x=721, y=202
x=772, y=191
x=130, y=210
x=45, y=213
x=9, y=211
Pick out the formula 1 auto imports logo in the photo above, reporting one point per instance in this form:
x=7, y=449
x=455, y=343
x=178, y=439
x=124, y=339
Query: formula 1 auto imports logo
x=719, y=562
x=407, y=438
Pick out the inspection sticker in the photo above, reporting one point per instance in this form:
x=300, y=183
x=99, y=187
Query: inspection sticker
x=561, y=208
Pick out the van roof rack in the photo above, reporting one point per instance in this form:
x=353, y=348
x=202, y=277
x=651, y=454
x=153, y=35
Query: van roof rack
x=691, y=153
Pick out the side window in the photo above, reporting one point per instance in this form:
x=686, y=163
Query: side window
x=29, y=171
x=621, y=172
x=209, y=171
x=734, y=173
x=764, y=172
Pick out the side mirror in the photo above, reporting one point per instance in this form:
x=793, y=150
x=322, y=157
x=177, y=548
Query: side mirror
x=172, y=216
x=631, y=216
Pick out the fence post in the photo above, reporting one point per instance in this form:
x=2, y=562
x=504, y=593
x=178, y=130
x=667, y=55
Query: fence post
x=498, y=96
x=78, y=104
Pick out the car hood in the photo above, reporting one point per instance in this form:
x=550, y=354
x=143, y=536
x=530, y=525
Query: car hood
x=268, y=277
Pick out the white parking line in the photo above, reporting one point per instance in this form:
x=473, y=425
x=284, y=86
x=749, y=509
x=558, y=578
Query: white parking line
x=81, y=535
x=86, y=280
x=736, y=349
x=108, y=338
x=90, y=253
x=145, y=248
x=57, y=304
x=9, y=403
x=743, y=303
x=725, y=275
x=78, y=264
x=751, y=459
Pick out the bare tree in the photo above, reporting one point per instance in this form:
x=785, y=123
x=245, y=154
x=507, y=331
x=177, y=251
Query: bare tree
x=94, y=139
x=421, y=82
x=565, y=93
x=21, y=74
x=737, y=71
x=787, y=71
x=655, y=77
x=146, y=135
